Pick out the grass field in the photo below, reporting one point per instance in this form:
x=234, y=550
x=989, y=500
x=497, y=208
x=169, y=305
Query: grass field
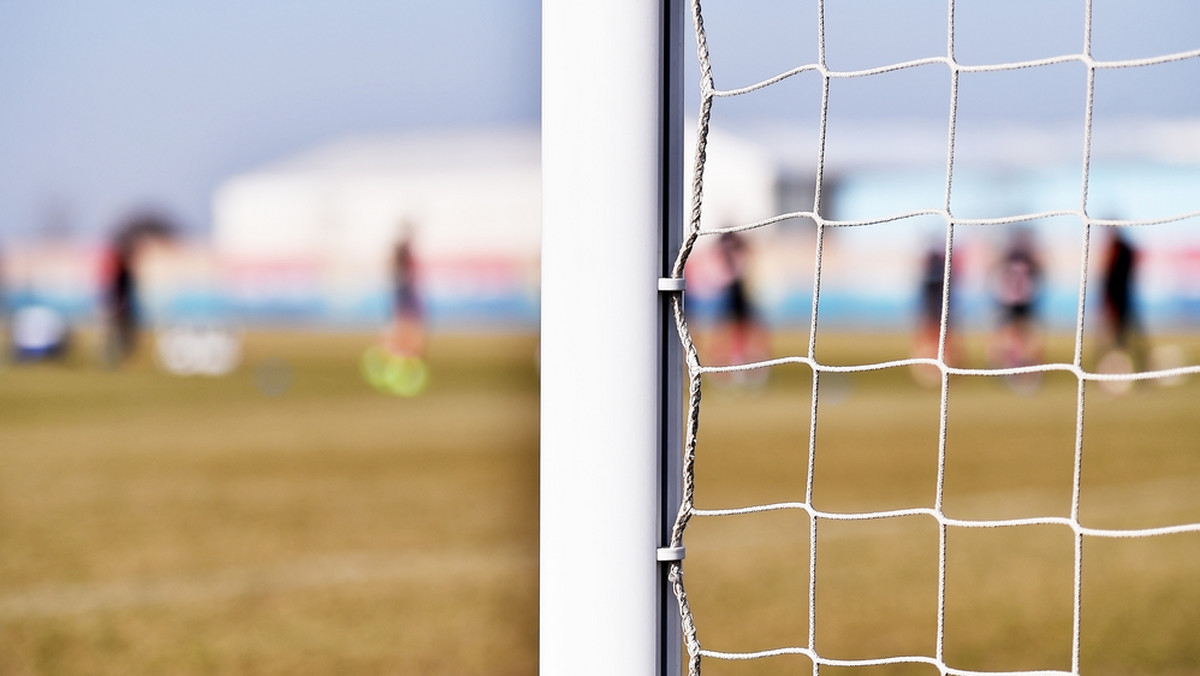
x=289, y=519
x=154, y=524
x=1009, y=591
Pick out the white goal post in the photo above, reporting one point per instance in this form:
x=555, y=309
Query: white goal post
x=612, y=192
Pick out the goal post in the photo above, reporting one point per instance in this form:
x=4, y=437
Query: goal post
x=610, y=399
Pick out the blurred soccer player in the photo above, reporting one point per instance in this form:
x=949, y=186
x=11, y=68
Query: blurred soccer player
x=1018, y=285
x=407, y=332
x=120, y=303
x=740, y=335
x=1119, y=291
x=1125, y=343
x=120, y=283
x=929, y=318
x=395, y=365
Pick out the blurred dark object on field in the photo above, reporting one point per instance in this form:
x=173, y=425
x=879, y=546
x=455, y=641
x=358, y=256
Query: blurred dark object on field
x=120, y=280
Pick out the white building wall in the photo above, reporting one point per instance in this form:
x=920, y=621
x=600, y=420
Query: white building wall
x=473, y=201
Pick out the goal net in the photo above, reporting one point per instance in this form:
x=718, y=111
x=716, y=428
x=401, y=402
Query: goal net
x=1041, y=516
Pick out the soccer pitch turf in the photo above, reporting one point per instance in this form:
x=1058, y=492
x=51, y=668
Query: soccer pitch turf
x=288, y=518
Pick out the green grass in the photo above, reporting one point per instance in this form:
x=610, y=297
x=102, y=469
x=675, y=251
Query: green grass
x=156, y=524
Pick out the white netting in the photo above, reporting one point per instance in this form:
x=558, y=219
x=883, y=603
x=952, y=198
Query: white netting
x=696, y=229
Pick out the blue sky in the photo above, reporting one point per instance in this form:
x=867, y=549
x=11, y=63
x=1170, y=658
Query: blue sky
x=112, y=105
x=115, y=104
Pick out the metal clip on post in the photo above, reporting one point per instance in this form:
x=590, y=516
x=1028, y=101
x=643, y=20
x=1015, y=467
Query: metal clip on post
x=667, y=554
x=671, y=284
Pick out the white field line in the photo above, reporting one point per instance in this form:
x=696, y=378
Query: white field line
x=424, y=568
